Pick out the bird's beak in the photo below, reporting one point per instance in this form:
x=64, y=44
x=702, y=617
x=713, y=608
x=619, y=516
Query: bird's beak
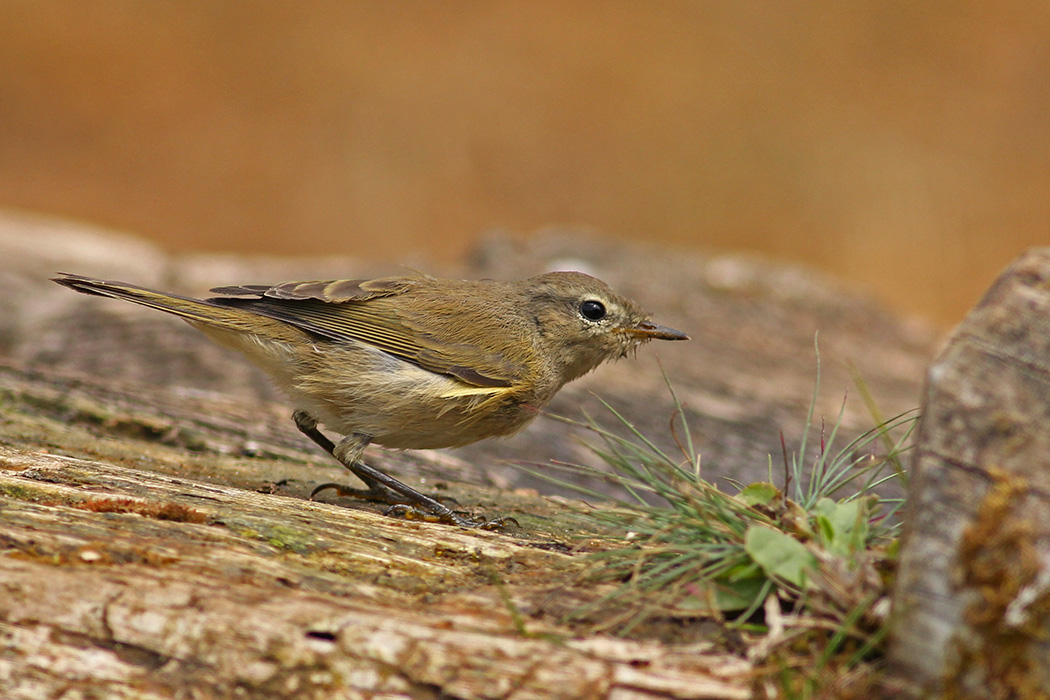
x=647, y=330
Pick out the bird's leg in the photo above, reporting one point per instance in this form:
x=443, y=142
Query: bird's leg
x=380, y=486
x=307, y=425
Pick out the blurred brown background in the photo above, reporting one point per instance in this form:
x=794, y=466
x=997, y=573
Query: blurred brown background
x=903, y=146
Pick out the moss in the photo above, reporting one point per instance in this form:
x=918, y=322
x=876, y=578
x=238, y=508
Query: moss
x=25, y=493
x=1001, y=657
x=281, y=537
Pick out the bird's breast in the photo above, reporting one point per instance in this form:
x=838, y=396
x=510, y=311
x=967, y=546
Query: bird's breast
x=360, y=389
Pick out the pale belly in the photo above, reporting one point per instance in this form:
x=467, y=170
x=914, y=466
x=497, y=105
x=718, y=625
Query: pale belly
x=358, y=389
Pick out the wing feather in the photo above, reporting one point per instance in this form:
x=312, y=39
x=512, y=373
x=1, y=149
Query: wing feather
x=367, y=311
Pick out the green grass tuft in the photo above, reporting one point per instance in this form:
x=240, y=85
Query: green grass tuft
x=815, y=552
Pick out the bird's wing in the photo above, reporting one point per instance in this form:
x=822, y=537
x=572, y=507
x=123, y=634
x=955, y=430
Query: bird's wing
x=329, y=291
x=368, y=311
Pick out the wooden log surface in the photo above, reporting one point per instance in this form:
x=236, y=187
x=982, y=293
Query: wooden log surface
x=972, y=600
x=123, y=581
x=155, y=531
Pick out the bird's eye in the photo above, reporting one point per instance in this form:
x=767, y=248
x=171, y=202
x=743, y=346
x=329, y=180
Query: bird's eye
x=592, y=310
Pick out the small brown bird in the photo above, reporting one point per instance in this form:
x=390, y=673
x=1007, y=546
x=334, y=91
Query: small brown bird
x=412, y=362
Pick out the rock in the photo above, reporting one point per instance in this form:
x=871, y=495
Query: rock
x=972, y=598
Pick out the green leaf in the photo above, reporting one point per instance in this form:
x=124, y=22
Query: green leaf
x=779, y=554
x=761, y=493
x=843, y=526
x=723, y=595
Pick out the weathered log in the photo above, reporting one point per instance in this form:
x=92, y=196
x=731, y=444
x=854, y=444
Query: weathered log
x=124, y=583
x=155, y=534
x=972, y=599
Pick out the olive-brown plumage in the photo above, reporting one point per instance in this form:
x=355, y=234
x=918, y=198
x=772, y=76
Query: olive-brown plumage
x=413, y=362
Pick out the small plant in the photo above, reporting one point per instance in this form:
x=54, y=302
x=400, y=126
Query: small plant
x=804, y=565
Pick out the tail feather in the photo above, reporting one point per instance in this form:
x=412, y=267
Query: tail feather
x=193, y=310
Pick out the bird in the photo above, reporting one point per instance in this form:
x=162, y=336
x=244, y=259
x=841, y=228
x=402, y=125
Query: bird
x=413, y=361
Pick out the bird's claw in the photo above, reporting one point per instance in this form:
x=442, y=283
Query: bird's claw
x=340, y=490
x=377, y=494
x=410, y=512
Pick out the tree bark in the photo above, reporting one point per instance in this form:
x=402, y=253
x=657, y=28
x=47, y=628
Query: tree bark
x=973, y=591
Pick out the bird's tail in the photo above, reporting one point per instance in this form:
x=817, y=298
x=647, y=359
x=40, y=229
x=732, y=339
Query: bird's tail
x=196, y=311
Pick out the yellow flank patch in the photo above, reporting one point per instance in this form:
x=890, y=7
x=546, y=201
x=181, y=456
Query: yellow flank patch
x=464, y=389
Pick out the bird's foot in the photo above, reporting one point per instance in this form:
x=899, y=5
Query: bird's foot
x=411, y=512
x=377, y=493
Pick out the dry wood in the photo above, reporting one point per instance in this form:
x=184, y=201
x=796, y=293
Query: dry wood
x=124, y=583
x=155, y=534
x=973, y=592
